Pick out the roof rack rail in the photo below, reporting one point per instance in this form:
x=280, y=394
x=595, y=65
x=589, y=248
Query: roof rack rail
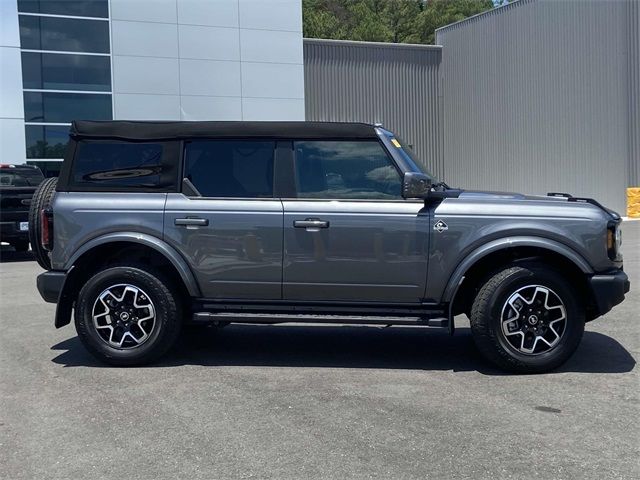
x=613, y=214
x=559, y=194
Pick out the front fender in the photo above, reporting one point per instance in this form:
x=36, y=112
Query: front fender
x=510, y=242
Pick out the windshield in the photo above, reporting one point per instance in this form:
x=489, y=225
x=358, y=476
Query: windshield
x=20, y=177
x=409, y=155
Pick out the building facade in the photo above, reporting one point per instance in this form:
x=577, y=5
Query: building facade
x=536, y=96
x=544, y=96
x=143, y=60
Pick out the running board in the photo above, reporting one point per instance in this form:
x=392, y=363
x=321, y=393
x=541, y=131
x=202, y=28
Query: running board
x=239, y=317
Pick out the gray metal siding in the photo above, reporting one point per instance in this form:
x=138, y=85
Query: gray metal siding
x=634, y=93
x=537, y=99
x=392, y=84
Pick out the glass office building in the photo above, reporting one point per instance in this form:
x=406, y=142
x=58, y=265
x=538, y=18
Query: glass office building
x=62, y=60
x=66, y=72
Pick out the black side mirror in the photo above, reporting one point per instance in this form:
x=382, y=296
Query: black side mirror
x=415, y=185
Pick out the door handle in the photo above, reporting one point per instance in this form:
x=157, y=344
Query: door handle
x=311, y=223
x=200, y=222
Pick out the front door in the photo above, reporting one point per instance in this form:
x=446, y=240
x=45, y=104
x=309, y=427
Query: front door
x=229, y=229
x=349, y=235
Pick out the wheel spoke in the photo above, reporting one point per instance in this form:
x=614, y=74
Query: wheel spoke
x=124, y=316
x=537, y=315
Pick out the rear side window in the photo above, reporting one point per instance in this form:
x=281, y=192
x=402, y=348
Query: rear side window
x=231, y=168
x=345, y=170
x=113, y=164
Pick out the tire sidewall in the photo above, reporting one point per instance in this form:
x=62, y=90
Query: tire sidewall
x=575, y=316
x=167, y=314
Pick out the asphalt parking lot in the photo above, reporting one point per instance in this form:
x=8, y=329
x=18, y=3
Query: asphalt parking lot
x=313, y=402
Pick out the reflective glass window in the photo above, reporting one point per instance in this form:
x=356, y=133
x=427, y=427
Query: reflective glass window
x=231, y=168
x=53, y=71
x=64, y=34
x=115, y=164
x=345, y=170
x=66, y=107
x=46, y=141
x=81, y=8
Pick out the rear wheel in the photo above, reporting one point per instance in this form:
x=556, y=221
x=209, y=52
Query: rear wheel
x=41, y=200
x=527, y=319
x=128, y=316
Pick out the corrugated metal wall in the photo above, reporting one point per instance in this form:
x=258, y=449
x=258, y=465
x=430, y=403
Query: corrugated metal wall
x=537, y=99
x=393, y=84
x=634, y=93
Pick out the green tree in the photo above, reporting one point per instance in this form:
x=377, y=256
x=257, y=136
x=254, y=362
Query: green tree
x=398, y=21
x=439, y=13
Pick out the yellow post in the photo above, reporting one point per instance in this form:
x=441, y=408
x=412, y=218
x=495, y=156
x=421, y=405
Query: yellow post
x=633, y=202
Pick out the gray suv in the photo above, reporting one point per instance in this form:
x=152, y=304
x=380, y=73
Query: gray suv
x=153, y=225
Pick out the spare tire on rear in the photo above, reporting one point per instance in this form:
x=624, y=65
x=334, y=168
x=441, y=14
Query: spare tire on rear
x=41, y=200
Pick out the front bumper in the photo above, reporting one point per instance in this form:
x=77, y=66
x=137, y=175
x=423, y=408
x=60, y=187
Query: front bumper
x=50, y=285
x=608, y=290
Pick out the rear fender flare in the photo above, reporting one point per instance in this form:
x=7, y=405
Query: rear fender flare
x=65, y=300
x=155, y=243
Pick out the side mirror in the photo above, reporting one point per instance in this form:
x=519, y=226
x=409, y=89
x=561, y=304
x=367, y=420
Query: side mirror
x=415, y=185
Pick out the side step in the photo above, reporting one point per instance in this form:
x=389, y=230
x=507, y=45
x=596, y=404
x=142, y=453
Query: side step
x=236, y=317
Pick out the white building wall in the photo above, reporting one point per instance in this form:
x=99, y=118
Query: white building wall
x=207, y=59
x=12, y=142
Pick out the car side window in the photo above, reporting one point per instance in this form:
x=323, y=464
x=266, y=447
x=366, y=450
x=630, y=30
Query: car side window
x=116, y=164
x=231, y=168
x=345, y=170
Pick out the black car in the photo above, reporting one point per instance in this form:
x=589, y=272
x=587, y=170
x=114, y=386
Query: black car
x=17, y=185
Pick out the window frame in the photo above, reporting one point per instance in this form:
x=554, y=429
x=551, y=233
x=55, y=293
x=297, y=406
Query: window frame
x=183, y=166
x=384, y=148
x=66, y=183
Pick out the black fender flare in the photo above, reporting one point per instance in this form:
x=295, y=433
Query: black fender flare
x=458, y=276
x=65, y=300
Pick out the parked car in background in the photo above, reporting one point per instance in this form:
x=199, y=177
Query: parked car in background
x=154, y=224
x=17, y=186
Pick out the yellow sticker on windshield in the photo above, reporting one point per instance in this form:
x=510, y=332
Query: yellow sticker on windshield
x=395, y=142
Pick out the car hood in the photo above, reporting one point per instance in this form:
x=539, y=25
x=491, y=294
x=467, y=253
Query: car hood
x=497, y=197
x=488, y=195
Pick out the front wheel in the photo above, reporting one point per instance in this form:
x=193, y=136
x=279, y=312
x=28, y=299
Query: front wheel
x=527, y=319
x=128, y=316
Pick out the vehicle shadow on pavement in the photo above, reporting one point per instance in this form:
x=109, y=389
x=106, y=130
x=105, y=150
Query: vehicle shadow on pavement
x=349, y=347
x=9, y=255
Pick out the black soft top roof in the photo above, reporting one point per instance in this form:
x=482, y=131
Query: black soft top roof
x=127, y=130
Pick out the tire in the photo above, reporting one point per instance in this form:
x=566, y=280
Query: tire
x=41, y=199
x=135, y=349
x=21, y=245
x=505, y=326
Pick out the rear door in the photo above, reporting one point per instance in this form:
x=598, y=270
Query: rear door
x=230, y=227
x=349, y=235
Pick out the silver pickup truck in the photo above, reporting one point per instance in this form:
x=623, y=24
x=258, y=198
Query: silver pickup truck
x=153, y=225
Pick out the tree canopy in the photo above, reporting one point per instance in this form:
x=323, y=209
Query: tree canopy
x=397, y=21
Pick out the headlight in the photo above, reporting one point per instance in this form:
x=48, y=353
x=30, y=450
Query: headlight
x=614, y=240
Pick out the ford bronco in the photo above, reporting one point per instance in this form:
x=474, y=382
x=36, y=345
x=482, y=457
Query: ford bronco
x=152, y=225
